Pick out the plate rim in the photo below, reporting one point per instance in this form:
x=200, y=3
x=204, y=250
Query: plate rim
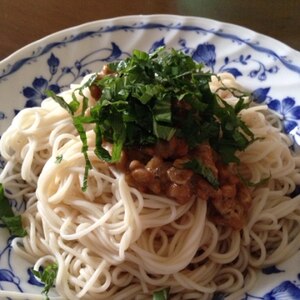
x=229, y=25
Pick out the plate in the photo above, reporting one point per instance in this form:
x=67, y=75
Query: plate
x=264, y=66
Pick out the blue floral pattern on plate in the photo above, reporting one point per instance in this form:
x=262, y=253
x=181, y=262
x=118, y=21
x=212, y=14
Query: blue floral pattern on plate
x=66, y=57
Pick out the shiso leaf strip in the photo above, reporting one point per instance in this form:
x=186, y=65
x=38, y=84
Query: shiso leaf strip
x=139, y=106
x=10, y=220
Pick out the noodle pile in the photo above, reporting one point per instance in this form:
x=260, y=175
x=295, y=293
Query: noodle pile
x=113, y=242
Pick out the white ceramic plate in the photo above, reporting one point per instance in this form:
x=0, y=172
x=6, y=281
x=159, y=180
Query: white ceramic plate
x=263, y=65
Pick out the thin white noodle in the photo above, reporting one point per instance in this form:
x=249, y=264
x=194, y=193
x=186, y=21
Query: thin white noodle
x=113, y=242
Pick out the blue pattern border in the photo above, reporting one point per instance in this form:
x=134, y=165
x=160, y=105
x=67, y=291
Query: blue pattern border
x=10, y=69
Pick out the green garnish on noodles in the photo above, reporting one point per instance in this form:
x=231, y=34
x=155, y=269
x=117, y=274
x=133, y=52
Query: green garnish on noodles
x=152, y=97
x=10, y=220
x=47, y=277
x=162, y=294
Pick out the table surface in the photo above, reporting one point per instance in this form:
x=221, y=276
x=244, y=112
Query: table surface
x=24, y=21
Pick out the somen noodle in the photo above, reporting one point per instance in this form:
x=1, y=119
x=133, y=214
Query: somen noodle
x=114, y=241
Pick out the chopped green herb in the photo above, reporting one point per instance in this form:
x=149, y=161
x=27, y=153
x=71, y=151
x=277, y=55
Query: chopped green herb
x=198, y=167
x=69, y=107
x=73, y=106
x=14, y=225
x=47, y=276
x=58, y=159
x=144, y=102
x=5, y=208
x=12, y=222
x=79, y=124
x=161, y=294
x=74, y=103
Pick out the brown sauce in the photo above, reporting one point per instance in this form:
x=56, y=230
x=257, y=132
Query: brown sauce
x=159, y=170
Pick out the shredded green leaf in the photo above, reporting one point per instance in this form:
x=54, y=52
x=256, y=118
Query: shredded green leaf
x=47, y=276
x=69, y=107
x=198, y=167
x=12, y=222
x=14, y=225
x=141, y=103
x=78, y=123
x=5, y=208
x=58, y=159
x=161, y=294
x=75, y=102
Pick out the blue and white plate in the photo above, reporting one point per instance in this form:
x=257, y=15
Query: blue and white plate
x=268, y=68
